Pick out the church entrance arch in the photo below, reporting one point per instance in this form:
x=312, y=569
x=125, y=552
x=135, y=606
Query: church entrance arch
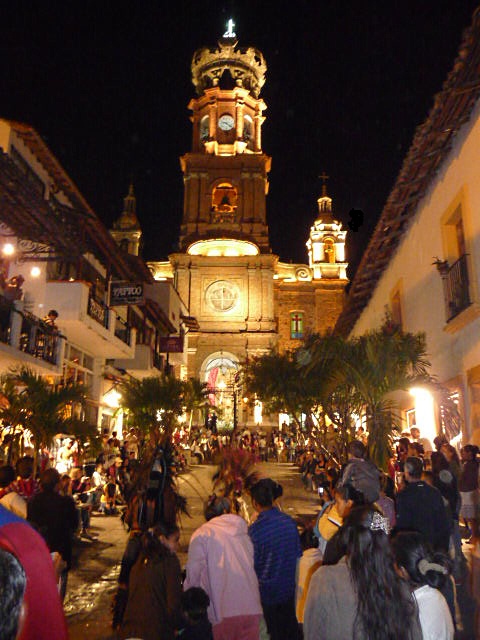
x=219, y=372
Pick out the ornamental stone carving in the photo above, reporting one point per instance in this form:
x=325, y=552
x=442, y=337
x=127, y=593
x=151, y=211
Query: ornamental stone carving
x=247, y=66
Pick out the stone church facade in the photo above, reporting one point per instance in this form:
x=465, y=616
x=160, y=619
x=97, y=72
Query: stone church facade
x=243, y=299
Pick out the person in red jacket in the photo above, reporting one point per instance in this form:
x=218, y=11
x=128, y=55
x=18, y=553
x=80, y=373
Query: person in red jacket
x=43, y=613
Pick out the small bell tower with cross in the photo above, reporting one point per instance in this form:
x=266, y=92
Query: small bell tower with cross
x=326, y=243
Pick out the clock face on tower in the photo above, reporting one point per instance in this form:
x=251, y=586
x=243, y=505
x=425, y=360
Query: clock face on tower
x=226, y=122
x=222, y=296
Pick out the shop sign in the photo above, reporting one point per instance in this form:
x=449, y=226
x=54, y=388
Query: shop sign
x=126, y=293
x=171, y=344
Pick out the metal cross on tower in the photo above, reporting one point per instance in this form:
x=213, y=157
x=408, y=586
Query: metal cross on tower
x=230, y=33
x=323, y=176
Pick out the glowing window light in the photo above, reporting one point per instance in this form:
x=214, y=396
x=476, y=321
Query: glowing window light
x=424, y=412
x=257, y=412
x=8, y=249
x=112, y=398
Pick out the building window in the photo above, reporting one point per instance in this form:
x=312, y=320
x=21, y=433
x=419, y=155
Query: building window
x=454, y=270
x=204, y=128
x=329, y=250
x=296, y=325
x=224, y=202
x=248, y=132
x=396, y=307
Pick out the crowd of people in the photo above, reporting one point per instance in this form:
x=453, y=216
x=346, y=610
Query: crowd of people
x=380, y=559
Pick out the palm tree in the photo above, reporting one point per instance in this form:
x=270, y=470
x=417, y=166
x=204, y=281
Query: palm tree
x=368, y=369
x=196, y=399
x=154, y=403
x=280, y=384
x=40, y=407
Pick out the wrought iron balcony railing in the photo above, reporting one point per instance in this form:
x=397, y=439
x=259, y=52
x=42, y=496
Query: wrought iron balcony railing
x=456, y=288
x=28, y=333
x=122, y=330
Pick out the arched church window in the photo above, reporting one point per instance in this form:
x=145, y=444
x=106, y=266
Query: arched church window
x=204, y=128
x=329, y=250
x=224, y=198
x=221, y=374
x=296, y=325
x=124, y=245
x=248, y=131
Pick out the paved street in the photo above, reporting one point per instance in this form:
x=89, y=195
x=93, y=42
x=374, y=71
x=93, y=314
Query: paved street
x=92, y=582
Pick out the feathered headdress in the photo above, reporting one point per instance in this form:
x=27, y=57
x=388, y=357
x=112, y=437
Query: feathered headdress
x=236, y=472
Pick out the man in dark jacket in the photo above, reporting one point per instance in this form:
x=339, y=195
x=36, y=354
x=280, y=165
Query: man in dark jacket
x=55, y=518
x=420, y=507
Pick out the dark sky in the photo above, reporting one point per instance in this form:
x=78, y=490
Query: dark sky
x=107, y=86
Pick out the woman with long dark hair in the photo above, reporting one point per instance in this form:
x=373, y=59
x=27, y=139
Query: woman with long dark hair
x=426, y=573
x=361, y=597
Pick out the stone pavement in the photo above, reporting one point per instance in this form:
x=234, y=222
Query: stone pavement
x=92, y=581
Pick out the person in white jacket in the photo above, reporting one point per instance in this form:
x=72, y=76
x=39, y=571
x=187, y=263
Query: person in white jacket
x=426, y=574
x=220, y=561
x=9, y=498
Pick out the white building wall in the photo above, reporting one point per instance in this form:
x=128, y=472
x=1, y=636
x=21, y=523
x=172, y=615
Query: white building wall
x=452, y=353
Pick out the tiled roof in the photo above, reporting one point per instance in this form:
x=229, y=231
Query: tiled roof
x=431, y=144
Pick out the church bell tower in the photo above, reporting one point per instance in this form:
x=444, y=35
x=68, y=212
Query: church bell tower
x=226, y=173
x=224, y=268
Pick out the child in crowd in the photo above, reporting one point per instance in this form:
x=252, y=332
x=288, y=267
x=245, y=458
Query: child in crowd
x=108, y=500
x=195, y=602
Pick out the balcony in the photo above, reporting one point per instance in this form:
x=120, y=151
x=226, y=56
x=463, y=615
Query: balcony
x=88, y=323
x=456, y=288
x=25, y=340
x=146, y=362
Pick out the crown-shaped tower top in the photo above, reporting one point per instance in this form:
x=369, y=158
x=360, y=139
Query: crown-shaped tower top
x=246, y=66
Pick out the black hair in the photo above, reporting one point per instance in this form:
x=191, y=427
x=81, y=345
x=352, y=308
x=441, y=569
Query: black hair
x=266, y=491
x=216, y=507
x=439, y=440
x=471, y=448
x=404, y=443
x=49, y=479
x=414, y=466
x=412, y=552
x=347, y=492
x=357, y=449
x=195, y=602
x=308, y=539
x=24, y=467
x=385, y=609
x=151, y=542
x=13, y=581
x=7, y=475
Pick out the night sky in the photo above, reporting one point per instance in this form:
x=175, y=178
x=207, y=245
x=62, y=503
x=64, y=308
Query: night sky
x=107, y=84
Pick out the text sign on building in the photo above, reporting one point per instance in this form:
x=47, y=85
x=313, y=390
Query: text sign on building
x=172, y=344
x=126, y=293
